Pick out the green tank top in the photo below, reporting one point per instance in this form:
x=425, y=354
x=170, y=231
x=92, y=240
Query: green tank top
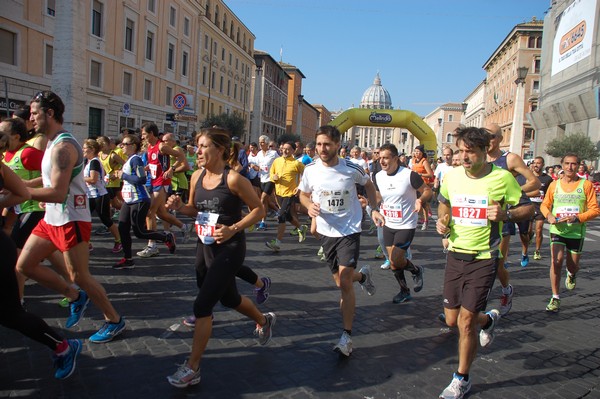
x=16, y=164
x=569, y=204
x=179, y=180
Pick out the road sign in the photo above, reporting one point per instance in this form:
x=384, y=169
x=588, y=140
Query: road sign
x=179, y=101
x=186, y=118
x=126, y=109
x=170, y=117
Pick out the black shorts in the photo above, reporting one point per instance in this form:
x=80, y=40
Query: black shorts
x=342, y=251
x=468, y=283
x=267, y=187
x=537, y=215
x=23, y=227
x=398, y=238
x=574, y=245
x=510, y=228
x=255, y=182
x=113, y=191
x=285, y=209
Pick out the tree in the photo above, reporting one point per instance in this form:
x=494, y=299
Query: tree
x=232, y=122
x=577, y=143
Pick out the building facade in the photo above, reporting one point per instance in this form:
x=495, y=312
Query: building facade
x=522, y=47
x=118, y=64
x=475, y=107
x=569, y=100
x=443, y=121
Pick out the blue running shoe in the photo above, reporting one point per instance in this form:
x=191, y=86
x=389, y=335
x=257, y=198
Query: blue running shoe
x=77, y=309
x=65, y=364
x=524, y=260
x=262, y=226
x=262, y=294
x=108, y=332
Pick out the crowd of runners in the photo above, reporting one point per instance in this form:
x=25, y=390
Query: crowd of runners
x=51, y=184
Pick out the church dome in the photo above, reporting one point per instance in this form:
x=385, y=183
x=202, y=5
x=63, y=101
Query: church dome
x=376, y=96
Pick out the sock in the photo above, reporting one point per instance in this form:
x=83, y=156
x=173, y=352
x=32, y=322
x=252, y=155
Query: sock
x=411, y=267
x=462, y=376
x=62, y=348
x=363, y=278
x=399, y=275
x=489, y=322
x=556, y=296
x=570, y=274
x=507, y=290
x=349, y=332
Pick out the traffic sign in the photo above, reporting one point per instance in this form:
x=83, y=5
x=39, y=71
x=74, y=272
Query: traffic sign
x=186, y=118
x=179, y=101
x=126, y=109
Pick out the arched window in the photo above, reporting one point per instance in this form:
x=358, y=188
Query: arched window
x=448, y=137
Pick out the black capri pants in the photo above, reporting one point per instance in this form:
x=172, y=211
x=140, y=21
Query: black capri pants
x=102, y=207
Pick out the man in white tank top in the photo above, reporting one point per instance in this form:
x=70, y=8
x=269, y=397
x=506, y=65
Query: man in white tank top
x=67, y=224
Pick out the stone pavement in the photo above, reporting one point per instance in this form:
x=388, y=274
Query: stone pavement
x=401, y=351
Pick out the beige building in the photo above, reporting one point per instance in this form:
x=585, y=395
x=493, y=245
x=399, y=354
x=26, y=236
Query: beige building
x=270, y=94
x=506, y=101
x=118, y=64
x=443, y=121
x=324, y=115
x=475, y=109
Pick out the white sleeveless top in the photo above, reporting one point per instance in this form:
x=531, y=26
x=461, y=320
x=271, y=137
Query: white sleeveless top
x=75, y=207
x=399, y=196
x=98, y=189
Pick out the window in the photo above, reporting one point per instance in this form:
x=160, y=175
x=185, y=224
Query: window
x=212, y=82
x=49, y=59
x=221, y=85
x=152, y=6
x=450, y=118
x=205, y=42
x=171, y=56
x=127, y=83
x=217, y=15
x=204, y=76
x=186, y=26
x=169, y=96
x=51, y=7
x=97, y=9
x=129, y=29
x=147, y=90
x=223, y=54
x=235, y=91
x=149, y=46
x=215, y=47
x=96, y=115
x=96, y=74
x=536, y=65
x=173, y=17
x=184, y=64
x=536, y=85
x=228, y=87
x=448, y=137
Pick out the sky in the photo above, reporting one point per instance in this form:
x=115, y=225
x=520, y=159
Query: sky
x=427, y=52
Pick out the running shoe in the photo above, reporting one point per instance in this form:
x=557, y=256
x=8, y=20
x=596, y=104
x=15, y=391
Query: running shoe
x=537, y=255
x=184, y=376
x=274, y=244
x=124, y=264
x=424, y=226
x=262, y=226
x=418, y=279
x=148, y=252
x=65, y=363
x=367, y=285
x=189, y=321
x=294, y=232
x=302, y=233
x=77, y=309
x=385, y=265
x=344, y=345
x=402, y=297
x=102, y=231
x=571, y=281
x=379, y=253
x=320, y=252
x=265, y=332
x=553, y=305
x=442, y=317
x=64, y=303
x=457, y=389
x=108, y=332
x=116, y=215
x=186, y=232
x=262, y=294
x=506, y=301
x=486, y=337
x=117, y=248
x=251, y=228
x=524, y=260
x=170, y=243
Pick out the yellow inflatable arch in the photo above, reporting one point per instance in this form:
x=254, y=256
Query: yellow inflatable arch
x=388, y=118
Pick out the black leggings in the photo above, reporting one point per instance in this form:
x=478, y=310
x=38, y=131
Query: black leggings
x=102, y=207
x=13, y=315
x=134, y=215
x=216, y=268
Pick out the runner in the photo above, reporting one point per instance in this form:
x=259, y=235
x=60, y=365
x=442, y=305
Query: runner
x=328, y=191
x=216, y=198
x=472, y=207
x=264, y=159
x=537, y=224
x=397, y=189
x=420, y=164
x=569, y=203
x=67, y=223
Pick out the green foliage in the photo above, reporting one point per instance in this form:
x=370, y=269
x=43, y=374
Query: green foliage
x=232, y=122
x=577, y=143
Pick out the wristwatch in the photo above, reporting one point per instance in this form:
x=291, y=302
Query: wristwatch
x=508, y=216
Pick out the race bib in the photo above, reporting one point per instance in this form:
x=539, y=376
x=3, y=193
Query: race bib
x=127, y=193
x=205, y=226
x=539, y=198
x=392, y=213
x=80, y=201
x=153, y=170
x=334, y=201
x=470, y=210
x=566, y=211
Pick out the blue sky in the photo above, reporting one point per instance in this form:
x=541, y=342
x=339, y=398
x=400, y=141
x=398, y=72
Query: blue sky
x=427, y=52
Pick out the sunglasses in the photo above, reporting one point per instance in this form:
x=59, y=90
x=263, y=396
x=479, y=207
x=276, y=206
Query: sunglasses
x=128, y=143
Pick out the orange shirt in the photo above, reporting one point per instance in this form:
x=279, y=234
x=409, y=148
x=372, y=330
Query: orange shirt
x=592, y=211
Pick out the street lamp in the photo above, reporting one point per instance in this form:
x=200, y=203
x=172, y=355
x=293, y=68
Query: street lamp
x=299, y=127
x=516, y=134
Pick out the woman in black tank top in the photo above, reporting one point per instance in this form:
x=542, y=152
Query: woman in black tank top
x=217, y=194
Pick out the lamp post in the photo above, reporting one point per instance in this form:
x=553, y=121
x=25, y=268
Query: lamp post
x=516, y=134
x=299, y=123
x=257, y=108
x=441, y=134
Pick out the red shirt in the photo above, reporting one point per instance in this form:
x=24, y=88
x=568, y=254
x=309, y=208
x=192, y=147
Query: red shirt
x=31, y=157
x=158, y=164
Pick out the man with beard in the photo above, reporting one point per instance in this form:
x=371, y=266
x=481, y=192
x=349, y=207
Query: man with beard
x=537, y=224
